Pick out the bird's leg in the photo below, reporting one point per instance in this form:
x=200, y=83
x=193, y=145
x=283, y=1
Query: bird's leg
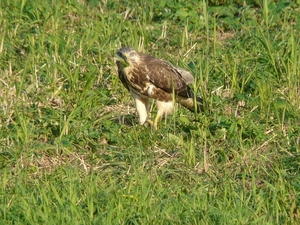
x=163, y=109
x=152, y=123
x=156, y=121
x=141, y=108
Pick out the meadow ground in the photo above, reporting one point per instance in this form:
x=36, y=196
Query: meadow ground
x=71, y=151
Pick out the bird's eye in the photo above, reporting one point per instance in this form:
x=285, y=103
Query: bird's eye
x=131, y=54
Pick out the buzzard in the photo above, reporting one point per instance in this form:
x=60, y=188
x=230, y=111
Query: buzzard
x=148, y=77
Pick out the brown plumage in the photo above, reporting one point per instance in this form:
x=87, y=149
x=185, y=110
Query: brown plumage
x=148, y=77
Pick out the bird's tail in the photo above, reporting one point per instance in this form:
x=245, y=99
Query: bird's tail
x=189, y=103
x=188, y=99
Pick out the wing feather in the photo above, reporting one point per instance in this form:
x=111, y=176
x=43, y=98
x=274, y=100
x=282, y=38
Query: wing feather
x=186, y=75
x=122, y=76
x=168, y=77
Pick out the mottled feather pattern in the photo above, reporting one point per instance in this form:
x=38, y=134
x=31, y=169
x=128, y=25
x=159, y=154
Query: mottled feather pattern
x=122, y=76
x=165, y=76
x=148, y=77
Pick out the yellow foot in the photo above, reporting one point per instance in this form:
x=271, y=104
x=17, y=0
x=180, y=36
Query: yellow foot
x=150, y=122
x=155, y=125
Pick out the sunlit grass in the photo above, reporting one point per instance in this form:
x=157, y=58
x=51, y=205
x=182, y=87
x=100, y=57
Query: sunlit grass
x=72, y=152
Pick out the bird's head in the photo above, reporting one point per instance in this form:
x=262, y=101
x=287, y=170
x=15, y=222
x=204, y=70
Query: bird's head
x=127, y=56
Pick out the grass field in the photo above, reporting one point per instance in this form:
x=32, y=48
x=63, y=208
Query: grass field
x=72, y=152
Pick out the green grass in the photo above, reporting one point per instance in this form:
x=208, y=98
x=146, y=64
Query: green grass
x=72, y=152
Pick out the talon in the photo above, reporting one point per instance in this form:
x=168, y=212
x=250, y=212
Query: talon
x=147, y=123
x=151, y=123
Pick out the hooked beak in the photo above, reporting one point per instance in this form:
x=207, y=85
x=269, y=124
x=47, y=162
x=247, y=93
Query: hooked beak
x=120, y=57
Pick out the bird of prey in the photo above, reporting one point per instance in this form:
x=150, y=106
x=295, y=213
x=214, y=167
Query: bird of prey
x=148, y=77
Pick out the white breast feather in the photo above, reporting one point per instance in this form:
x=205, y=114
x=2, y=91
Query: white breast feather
x=150, y=90
x=164, y=108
